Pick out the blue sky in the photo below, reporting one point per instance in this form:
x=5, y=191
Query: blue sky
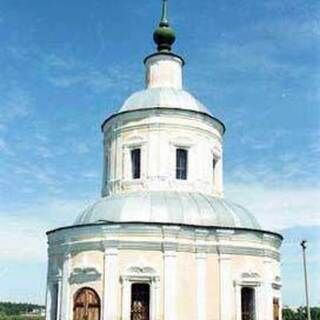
x=66, y=66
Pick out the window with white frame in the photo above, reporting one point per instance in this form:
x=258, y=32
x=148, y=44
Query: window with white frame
x=181, y=164
x=140, y=293
x=136, y=163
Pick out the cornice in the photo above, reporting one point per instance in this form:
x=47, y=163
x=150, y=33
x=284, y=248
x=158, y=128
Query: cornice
x=176, y=111
x=109, y=229
x=126, y=128
x=163, y=246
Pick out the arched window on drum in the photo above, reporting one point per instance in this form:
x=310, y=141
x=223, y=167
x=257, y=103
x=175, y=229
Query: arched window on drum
x=86, y=305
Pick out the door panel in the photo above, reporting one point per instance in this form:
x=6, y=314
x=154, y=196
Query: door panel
x=86, y=305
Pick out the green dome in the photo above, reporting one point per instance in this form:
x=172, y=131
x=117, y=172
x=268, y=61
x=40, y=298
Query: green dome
x=164, y=37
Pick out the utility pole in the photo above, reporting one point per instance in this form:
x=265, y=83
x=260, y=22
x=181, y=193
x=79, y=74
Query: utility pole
x=304, y=247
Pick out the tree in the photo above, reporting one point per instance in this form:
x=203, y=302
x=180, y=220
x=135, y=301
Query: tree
x=300, y=314
x=315, y=313
x=288, y=314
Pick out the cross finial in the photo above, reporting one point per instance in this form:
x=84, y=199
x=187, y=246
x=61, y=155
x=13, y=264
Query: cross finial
x=164, y=14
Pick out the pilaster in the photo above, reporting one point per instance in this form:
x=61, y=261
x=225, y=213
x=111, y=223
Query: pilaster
x=59, y=298
x=226, y=306
x=201, y=273
x=49, y=301
x=110, y=284
x=259, y=302
x=64, y=303
x=126, y=298
x=170, y=266
x=267, y=307
x=238, y=315
x=170, y=285
x=155, y=299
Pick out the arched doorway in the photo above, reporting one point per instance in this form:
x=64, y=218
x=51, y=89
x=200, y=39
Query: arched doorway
x=86, y=305
x=140, y=301
x=248, y=308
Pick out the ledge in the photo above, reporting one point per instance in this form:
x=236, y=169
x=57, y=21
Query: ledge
x=165, y=109
x=160, y=224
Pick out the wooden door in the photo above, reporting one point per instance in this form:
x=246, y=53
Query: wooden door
x=86, y=305
x=140, y=301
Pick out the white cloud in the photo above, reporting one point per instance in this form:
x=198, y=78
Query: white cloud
x=65, y=72
x=41, y=173
x=91, y=174
x=43, y=151
x=22, y=233
x=22, y=239
x=278, y=207
x=14, y=103
x=3, y=144
x=257, y=58
x=282, y=191
x=93, y=79
x=82, y=148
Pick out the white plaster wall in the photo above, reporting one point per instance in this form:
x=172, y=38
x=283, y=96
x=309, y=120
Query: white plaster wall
x=224, y=268
x=163, y=71
x=159, y=134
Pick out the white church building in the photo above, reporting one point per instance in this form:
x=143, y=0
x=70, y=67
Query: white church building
x=162, y=243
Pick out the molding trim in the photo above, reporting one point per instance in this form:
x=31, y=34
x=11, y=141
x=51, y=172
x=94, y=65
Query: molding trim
x=58, y=235
x=163, y=246
x=158, y=111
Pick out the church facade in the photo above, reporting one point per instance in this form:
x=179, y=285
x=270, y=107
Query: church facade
x=162, y=243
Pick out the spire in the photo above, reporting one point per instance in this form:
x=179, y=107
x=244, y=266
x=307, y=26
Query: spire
x=164, y=36
x=164, y=14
